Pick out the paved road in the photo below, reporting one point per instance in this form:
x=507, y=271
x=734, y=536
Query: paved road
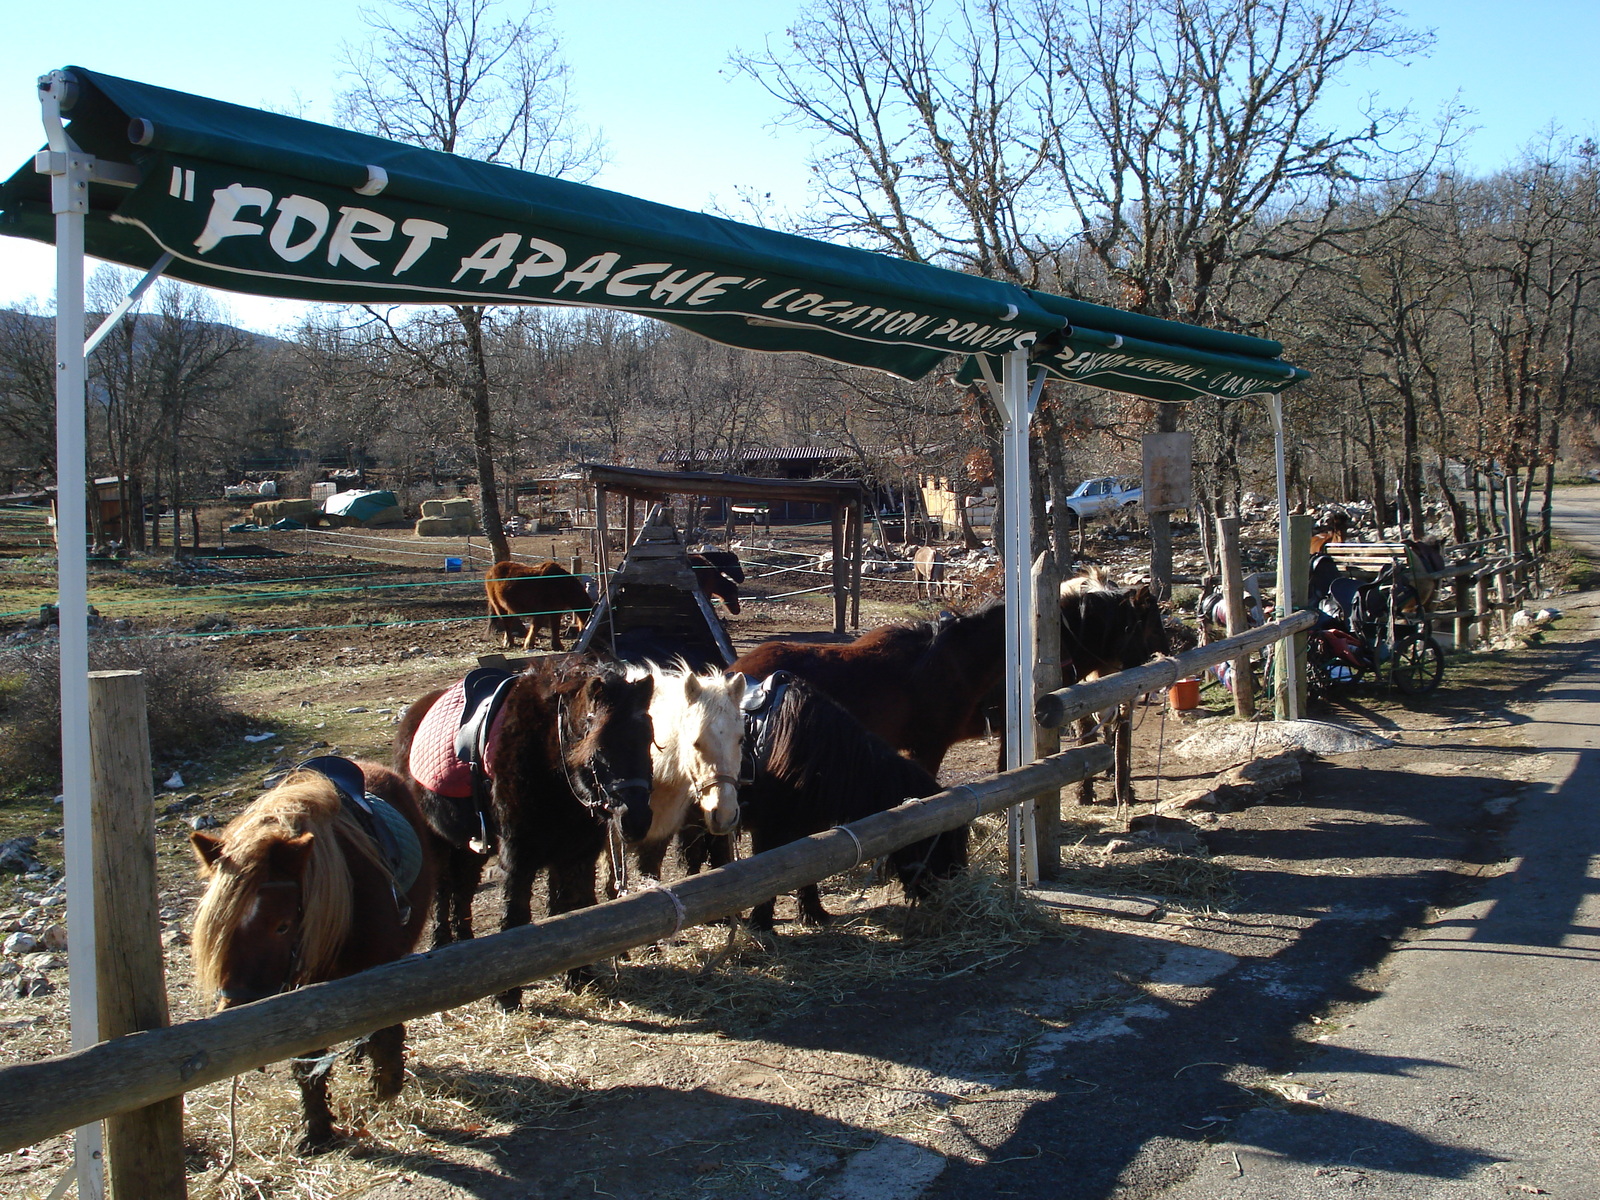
x=1474, y=1072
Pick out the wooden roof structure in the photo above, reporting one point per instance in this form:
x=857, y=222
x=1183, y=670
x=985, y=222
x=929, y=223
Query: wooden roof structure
x=845, y=497
x=653, y=608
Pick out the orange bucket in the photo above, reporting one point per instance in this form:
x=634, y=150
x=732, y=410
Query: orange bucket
x=1184, y=694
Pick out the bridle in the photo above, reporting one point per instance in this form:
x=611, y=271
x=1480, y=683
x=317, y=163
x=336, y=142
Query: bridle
x=599, y=799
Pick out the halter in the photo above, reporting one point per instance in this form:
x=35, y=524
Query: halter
x=598, y=800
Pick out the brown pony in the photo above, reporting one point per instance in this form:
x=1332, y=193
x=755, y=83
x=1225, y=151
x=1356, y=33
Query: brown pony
x=299, y=890
x=919, y=687
x=717, y=579
x=1105, y=629
x=545, y=592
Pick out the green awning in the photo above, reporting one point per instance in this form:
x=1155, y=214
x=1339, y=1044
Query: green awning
x=257, y=202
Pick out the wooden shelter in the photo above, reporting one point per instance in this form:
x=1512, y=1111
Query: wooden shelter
x=843, y=496
x=653, y=607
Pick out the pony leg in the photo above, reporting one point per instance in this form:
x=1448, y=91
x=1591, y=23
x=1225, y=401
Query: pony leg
x=311, y=1073
x=1086, y=784
x=1124, y=753
x=532, y=634
x=809, y=899
x=444, y=890
x=555, y=632
x=387, y=1050
x=572, y=886
x=517, y=889
x=467, y=868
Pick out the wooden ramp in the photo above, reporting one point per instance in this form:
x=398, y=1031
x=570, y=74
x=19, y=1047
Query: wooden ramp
x=653, y=608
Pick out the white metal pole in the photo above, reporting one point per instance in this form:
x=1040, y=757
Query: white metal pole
x=1288, y=655
x=1024, y=853
x=69, y=168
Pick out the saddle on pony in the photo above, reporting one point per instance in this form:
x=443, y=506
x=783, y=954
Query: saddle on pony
x=453, y=751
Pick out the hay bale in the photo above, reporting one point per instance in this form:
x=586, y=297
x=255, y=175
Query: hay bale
x=433, y=508
x=265, y=512
x=393, y=515
x=444, y=527
x=457, y=507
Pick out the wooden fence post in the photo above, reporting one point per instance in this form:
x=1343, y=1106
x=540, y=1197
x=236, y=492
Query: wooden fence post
x=1244, y=682
x=1481, y=612
x=1046, y=678
x=144, y=1147
x=1289, y=701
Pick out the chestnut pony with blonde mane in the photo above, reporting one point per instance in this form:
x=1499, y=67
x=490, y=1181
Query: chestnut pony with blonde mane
x=298, y=892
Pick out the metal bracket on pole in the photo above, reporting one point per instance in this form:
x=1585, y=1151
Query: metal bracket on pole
x=71, y=170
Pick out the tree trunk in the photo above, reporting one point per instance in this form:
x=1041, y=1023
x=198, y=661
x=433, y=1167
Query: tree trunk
x=1161, y=522
x=476, y=393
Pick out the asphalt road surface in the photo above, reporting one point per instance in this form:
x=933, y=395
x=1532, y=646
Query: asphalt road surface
x=1473, y=1073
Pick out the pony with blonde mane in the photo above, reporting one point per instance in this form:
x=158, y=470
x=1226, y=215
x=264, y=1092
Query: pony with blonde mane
x=696, y=756
x=298, y=891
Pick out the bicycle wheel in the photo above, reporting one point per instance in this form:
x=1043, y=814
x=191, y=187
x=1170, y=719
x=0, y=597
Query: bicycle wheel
x=1418, y=664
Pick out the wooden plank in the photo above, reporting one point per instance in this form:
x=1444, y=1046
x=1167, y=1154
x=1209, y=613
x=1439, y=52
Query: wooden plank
x=1244, y=680
x=144, y=1147
x=1068, y=704
x=43, y=1098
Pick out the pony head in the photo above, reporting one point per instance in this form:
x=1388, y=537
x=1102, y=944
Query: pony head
x=610, y=739
x=921, y=865
x=277, y=906
x=1146, y=633
x=710, y=744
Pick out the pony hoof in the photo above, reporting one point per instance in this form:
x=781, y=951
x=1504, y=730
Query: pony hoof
x=312, y=1145
x=509, y=1001
x=815, y=919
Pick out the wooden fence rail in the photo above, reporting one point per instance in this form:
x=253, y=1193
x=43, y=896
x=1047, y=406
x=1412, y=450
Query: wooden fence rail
x=1055, y=709
x=40, y=1099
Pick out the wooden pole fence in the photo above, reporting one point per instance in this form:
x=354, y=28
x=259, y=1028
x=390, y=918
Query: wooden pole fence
x=144, y=1147
x=44, y=1098
x=1055, y=709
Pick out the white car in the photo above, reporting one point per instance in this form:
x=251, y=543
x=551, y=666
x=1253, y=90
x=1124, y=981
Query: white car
x=1105, y=495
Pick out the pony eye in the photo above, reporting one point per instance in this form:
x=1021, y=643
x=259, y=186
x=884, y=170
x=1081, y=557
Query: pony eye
x=284, y=928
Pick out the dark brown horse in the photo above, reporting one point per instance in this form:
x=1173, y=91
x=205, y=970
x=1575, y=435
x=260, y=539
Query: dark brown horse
x=571, y=758
x=309, y=884
x=718, y=578
x=920, y=687
x=543, y=592
x=1105, y=629
x=814, y=766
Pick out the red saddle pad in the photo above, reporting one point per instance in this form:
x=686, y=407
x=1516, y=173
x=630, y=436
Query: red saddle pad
x=433, y=751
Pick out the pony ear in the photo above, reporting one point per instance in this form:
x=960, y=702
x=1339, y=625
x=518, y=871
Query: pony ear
x=1144, y=594
x=207, y=849
x=288, y=856
x=692, y=687
x=736, y=686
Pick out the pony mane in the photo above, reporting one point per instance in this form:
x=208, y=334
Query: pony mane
x=1090, y=578
x=305, y=802
x=813, y=741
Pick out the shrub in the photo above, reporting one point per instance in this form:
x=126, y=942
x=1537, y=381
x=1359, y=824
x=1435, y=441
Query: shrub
x=183, y=697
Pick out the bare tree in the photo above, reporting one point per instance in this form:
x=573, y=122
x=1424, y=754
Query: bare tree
x=28, y=390
x=450, y=75
x=1183, y=137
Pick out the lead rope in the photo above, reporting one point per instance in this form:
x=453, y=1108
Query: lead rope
x=617, y=853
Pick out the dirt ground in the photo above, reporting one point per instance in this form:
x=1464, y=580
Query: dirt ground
x=985, y=1047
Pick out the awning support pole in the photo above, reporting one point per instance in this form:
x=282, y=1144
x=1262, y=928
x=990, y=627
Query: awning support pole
x=1286, y=704
x=123, y=309
x=70, y=170
x=1016, y=402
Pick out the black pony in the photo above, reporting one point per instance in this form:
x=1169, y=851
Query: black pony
x=571, y=764
x=814, y=766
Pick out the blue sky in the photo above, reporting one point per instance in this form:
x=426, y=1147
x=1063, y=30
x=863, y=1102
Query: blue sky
x=681, y=127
